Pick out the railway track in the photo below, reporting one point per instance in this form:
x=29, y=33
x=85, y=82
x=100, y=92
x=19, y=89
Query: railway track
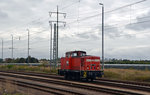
x=124, y=84
x=94, y=86
x=100, y=80
x=43, y=88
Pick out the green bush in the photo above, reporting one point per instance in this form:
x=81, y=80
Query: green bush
x=10, y=66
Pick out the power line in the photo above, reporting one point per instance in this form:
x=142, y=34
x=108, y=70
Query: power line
x=106, y=12
x=69, y=5
x=111, y=28
x=41, y=32
x=113, y=24
x=123, y=26
x=16, y=27
x=89, y=27
x=88, y=17
x=75, y=20
x=98, y=14
x=126, y=6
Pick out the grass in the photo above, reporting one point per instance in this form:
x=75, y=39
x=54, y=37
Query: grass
x=13, y=94
x=41, y=69
x=128, y=74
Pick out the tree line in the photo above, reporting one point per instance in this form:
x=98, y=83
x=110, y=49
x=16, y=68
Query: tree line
x=20, y=60
x=126, y=61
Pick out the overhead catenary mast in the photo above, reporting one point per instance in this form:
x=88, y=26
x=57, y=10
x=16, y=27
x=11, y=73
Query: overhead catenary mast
x=57, y=35
x=55, y=46
x=50, y=59
x=57, y=32
x=28, y=45
x=2, y=49
x=12, y=47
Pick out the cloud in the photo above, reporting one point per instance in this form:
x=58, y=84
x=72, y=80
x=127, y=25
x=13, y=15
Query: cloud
x=133, y=52
x=109, y=31
x=18, y=15
x=90, y=34
x=83, y=35
x=142, y=23
x=3, y=15
x=112, y=32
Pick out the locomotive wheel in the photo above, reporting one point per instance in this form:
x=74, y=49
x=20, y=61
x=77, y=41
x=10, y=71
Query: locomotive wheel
x=86, y=79
x=65, y=76
x=78, y=78
x=69, y=77
x=91, y=79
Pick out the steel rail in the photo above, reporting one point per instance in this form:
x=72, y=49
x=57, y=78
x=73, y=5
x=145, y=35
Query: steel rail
x=97, y=80
x=29, y=85
x=43, y=88
x=99, y=89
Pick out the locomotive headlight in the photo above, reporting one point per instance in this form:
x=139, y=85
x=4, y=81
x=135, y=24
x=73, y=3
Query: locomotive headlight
x=87, y=67
x=97, y=67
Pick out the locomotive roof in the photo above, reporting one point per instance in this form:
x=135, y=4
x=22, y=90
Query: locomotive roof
x=75, y=51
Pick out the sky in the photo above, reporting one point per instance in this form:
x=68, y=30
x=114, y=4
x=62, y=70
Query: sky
x=126, y=27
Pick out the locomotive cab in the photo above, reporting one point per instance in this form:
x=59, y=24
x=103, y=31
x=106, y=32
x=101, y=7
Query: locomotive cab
x=78, y=65
x=75, y=54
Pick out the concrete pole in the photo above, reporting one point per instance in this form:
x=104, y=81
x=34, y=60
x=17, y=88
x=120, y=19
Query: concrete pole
x=28, y=45
x=57, y=38
x=102, y=35
x=2, y=49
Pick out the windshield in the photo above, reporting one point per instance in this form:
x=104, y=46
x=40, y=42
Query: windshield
x=83, y=54
x=74, y=54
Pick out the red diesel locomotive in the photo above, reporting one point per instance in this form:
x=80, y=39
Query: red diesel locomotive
x=78, y=65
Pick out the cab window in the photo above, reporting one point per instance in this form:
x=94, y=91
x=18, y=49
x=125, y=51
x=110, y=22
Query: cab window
x=74, y=54
x=83, y=54
x=68, y=55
